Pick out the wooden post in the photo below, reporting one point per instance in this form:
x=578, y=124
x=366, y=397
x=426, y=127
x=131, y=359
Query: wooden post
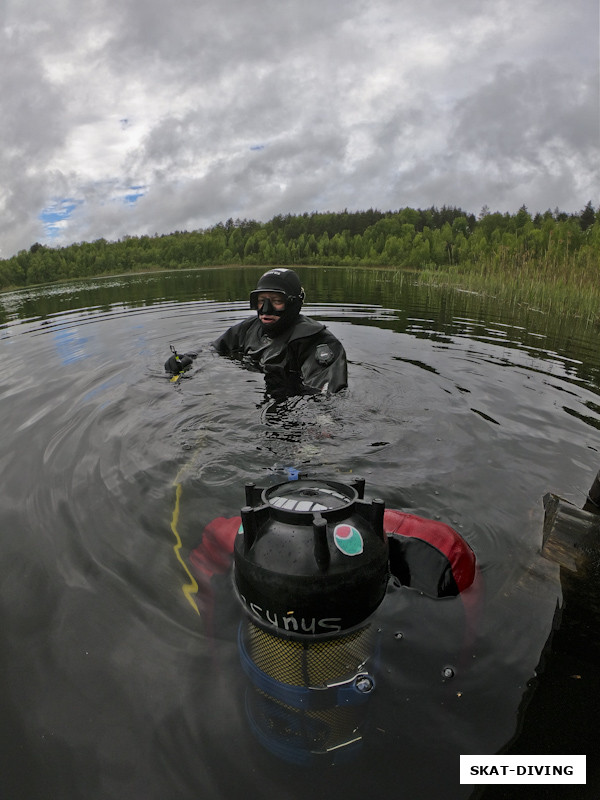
x=571, y=535
x=592, y=502
x=559, y=710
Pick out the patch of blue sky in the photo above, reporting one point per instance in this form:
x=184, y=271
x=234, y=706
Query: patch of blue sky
x=134, y=194
x=55, y=216
x=257, y=147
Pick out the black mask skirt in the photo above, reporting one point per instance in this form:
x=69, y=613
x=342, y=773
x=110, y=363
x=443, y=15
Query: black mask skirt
x=287, y=317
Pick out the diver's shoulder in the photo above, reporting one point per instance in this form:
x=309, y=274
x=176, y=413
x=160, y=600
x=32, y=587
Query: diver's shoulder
x=305, y=327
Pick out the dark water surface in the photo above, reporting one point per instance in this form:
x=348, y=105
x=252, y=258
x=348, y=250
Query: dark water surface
x=458, y=409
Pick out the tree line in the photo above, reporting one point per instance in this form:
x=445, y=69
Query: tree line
x=446, y=238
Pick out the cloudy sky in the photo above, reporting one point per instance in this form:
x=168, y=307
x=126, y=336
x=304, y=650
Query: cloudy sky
x=148, y=116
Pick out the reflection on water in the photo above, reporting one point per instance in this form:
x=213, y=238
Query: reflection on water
x=457, y=409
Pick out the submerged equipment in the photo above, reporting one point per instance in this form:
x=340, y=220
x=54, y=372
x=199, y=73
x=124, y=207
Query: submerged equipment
x=311, y=566
x=177, y=364
x=312, y=563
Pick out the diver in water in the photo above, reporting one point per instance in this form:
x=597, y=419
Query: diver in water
x=297, y=355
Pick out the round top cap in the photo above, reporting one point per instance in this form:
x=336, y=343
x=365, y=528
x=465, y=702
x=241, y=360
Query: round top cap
x=310, y=496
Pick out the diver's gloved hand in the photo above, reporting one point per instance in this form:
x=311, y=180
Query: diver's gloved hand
x=176, y=363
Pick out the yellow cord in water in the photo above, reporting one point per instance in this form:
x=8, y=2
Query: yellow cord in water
x=189, y=589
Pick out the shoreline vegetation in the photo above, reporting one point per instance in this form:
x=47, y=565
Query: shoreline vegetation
x=548, y=261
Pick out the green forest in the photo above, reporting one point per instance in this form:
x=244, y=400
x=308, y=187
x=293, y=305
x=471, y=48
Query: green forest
x=552, y=248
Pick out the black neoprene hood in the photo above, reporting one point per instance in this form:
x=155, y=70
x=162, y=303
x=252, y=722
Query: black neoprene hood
x=285, y=281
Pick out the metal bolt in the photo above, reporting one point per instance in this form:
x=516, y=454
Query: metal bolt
x=364, y=684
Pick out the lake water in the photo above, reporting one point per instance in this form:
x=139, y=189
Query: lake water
x=458, y=409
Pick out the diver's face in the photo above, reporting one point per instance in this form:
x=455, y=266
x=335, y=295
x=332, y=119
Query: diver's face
x=270, y=307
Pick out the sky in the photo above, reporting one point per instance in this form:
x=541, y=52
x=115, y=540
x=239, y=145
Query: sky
x=131, y=117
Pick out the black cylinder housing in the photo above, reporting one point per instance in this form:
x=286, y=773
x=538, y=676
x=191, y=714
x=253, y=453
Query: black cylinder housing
x=311, y=558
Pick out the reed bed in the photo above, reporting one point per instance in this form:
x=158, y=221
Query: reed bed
x=569, y=287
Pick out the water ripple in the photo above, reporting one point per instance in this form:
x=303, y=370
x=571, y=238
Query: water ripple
x=456, y=418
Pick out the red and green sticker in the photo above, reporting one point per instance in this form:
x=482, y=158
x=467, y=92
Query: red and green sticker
x=348, y=540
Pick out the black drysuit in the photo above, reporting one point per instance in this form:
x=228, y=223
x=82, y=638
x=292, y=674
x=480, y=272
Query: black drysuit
x=305, y=358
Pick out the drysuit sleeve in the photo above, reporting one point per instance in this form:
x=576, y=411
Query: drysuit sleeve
x=323, y=364
x=232, y=341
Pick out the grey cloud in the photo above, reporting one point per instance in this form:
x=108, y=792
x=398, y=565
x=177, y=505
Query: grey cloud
x=354, y=103
x=529, y=132
x=519, y=109
x=32, y=127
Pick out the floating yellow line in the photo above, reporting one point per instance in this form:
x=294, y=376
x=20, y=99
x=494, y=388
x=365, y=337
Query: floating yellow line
x=191, y=588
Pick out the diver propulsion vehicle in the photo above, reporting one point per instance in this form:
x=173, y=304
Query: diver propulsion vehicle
x=311, y=566
x=312, y=561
